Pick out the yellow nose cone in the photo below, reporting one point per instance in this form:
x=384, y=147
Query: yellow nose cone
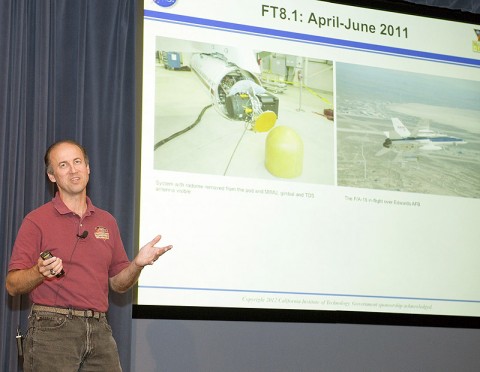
x=265, y=121
x=284, y=153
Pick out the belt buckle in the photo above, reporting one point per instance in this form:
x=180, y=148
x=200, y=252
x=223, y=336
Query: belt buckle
x=92, y=314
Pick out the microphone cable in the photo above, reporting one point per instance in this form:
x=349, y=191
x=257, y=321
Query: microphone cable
x=60, y=286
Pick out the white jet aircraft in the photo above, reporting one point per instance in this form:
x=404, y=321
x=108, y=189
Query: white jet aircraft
x=424, y=140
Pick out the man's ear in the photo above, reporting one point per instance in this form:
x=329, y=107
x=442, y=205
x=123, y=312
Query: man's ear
x=51, y=177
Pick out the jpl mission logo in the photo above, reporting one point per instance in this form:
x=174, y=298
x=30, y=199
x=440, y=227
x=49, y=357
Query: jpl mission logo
x=476, y=43
x=165, y=3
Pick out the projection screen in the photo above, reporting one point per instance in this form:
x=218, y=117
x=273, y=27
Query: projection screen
x=309, y=158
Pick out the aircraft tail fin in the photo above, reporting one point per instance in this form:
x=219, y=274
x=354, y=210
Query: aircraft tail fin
x=400, y=128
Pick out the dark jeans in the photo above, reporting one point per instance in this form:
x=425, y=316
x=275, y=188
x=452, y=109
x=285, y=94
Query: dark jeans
x=56, y=342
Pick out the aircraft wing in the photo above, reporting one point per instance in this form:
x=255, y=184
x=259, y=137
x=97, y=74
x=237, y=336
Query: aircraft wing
x=382, y=151
x=430, y=146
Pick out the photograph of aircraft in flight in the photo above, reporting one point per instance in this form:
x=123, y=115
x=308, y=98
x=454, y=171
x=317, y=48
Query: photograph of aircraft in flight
x=423, y=140
x=404, y=131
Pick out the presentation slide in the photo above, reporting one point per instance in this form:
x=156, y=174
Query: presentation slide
x=307, y=155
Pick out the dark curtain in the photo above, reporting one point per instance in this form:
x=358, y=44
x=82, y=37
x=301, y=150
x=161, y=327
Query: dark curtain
x=67, y=70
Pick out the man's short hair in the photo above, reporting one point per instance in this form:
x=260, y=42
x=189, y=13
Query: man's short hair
x=48, y=166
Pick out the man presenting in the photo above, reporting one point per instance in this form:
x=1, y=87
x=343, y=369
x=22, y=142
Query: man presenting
x=68, y=330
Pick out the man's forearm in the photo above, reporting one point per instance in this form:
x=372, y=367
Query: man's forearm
x=126, y=278
x=23, y=281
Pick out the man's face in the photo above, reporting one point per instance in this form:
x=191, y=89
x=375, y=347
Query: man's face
x=70, y=171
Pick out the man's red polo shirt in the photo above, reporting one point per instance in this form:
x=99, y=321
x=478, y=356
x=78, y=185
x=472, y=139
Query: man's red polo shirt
x=88, y=262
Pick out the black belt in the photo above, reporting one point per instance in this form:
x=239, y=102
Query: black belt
x=71, y=312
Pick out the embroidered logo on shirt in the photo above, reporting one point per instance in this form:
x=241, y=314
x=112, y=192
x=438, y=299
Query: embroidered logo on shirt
x=102, y=233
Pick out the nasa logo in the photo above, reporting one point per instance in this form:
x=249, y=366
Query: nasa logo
x=165, y=3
